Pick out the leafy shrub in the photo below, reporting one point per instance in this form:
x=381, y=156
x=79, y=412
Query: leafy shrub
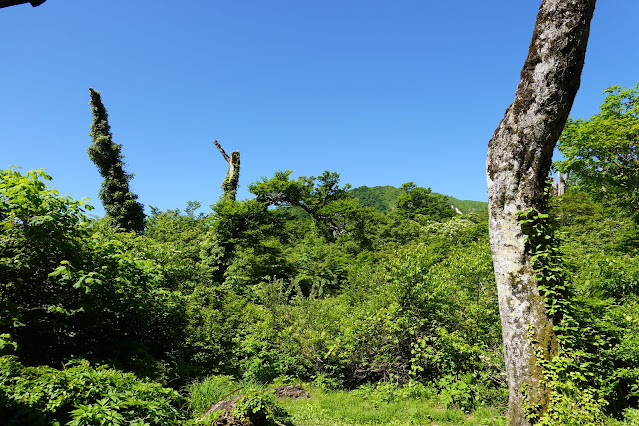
x=82, y=395
x=70, y=290
x=256, y=405
x=631, y=416
x=458, y=392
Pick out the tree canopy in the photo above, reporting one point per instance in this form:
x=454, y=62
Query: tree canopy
x=602, y=152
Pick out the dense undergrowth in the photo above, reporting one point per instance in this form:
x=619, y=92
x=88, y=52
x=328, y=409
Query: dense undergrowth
x=301, y=283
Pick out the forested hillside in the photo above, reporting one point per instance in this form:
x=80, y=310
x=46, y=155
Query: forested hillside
x=383, y=198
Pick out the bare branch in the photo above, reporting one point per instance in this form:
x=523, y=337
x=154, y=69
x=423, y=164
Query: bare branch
x=224, y=154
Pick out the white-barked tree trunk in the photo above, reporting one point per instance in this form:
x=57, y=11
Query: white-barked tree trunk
x=518, y=163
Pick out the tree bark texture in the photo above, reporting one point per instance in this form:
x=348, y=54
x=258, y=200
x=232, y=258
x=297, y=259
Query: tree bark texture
x=229, y=186
x=518, y=163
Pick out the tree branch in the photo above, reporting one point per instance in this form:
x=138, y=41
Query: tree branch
x=224, y=154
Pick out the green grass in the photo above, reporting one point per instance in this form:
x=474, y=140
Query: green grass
x=372, y=405
x=341, y=408
x=202, y=394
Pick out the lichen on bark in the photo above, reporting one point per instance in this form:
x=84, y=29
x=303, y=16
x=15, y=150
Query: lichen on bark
x=518, y=162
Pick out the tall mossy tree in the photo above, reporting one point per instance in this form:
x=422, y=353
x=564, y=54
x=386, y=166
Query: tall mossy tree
x=229, y=186
x=518, y=163
x=123, y=211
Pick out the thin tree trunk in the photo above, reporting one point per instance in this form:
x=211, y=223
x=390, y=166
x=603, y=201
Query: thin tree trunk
x=518, y=163
x=229, y=186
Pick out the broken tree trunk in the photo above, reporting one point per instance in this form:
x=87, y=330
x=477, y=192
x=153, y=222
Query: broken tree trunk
x=518, y=163
x=561, y=183
x=229, y=186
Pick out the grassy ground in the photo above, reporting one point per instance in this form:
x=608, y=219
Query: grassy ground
x=372, y=405
x=354, y=409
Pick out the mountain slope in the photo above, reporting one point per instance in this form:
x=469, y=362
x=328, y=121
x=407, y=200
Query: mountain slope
x=382, y=199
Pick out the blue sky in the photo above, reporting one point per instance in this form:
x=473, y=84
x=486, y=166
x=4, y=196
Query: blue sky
x=381, y=92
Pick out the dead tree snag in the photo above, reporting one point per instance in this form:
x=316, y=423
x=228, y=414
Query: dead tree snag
x=229, y=186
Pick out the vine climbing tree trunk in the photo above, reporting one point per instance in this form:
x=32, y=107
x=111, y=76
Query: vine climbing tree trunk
x=123, y=211
x=518, y=163
x=229, y=186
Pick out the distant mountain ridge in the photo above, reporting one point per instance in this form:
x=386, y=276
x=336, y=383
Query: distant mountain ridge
x=382, y=199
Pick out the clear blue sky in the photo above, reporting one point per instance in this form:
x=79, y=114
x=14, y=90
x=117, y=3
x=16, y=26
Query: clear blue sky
x=383, y=92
